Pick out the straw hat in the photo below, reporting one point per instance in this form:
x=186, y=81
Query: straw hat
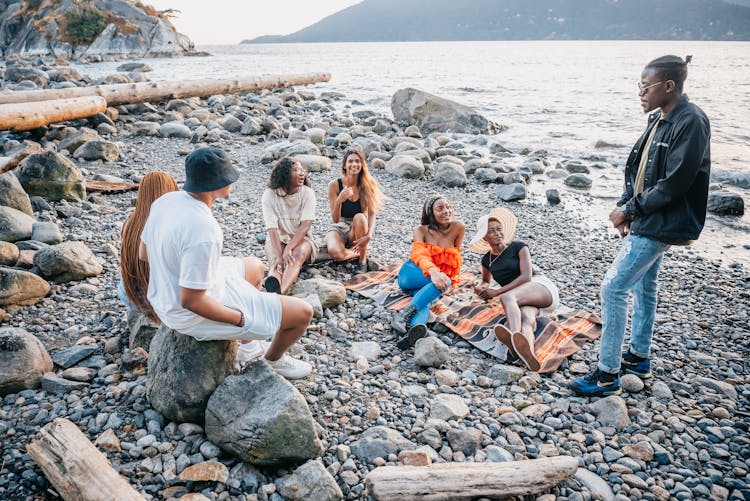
x=506, y=218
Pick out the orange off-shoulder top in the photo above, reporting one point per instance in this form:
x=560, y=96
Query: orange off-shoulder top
x=447, y=259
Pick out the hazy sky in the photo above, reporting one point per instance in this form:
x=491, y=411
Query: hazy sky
x=230, y=22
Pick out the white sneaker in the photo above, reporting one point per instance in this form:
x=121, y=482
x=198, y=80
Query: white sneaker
x=290, y=368
x=250, y=351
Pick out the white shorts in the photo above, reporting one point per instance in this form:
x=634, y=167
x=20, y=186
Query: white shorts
x=262, y=310
x=553, y=291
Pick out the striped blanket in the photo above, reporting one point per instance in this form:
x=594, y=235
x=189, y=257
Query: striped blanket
x=463, y=312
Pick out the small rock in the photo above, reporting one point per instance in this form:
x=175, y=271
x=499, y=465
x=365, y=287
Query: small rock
x=431, y=352
x=209, y=471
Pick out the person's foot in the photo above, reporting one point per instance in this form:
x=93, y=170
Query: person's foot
x=403, y=319
x=360, y=268
x=289, y=367
x=638, y=366
x=524, y=347
x=410, y=338
x=503, y=335
x=250, y=351
x=272, y=285
x=596, y=383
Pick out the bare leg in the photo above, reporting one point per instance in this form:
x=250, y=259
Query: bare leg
x=359, y=230
x=337, y=247
x=253, y=270
x=295, y=317
x=528, y=322
x=528, y=294
x=273, y=259
x=301, y=254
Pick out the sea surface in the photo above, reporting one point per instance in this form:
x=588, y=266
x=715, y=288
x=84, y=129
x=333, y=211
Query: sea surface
x=576, y=99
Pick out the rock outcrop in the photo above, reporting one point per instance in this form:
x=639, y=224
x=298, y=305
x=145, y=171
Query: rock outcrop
x=88, y=30
x=23, y=360
x=436, y=114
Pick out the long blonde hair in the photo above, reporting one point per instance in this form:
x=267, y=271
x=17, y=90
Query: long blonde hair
x=135, y=272
x=370, y=192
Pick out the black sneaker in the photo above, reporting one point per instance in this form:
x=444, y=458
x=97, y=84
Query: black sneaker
x=596, y=383
x=410, y=338
x=403, y=319
x=272, y=285
x=638, y=366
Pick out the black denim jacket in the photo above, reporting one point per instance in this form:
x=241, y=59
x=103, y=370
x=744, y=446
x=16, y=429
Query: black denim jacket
x=673, y=202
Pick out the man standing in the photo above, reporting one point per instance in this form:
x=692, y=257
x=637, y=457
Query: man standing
x=664, y=204
x=197, y=291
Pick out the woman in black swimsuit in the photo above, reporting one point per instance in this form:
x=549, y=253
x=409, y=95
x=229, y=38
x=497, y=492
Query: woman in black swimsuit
x=355, y=199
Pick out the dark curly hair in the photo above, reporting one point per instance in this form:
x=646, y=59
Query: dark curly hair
x=428, y=215
x=281, y=174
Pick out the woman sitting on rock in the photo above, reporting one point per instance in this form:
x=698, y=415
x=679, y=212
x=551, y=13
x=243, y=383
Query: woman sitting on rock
x=523, y=296
x=434, y=264
x=288, y=212
x=133, y=287
x=355, y=199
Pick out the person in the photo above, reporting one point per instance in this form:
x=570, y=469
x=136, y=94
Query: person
x=133, y=286
x=524, y=296
x=355, y=199
x=434, y=265
x=288, y=211
x=200, y=293
x=663, y=204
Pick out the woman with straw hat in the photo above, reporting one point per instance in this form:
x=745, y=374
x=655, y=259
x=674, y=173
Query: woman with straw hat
x=523, y=296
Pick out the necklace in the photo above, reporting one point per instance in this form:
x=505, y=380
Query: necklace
x=492, y=261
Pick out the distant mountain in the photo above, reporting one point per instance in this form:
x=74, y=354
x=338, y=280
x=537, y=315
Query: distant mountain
x=418, y=20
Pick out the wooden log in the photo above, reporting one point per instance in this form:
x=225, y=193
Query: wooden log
x=140, y=92
x=27, y=116
x=77, y=470
x=459, y=481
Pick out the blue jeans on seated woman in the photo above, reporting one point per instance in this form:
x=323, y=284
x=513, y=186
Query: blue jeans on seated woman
x=124, y=297
x=411, y=279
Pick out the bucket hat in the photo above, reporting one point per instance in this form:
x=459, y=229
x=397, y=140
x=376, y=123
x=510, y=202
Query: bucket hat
x=208, y=169
x=506, y=218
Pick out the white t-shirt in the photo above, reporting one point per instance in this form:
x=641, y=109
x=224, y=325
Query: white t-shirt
x=183, y=242
x=285, y=213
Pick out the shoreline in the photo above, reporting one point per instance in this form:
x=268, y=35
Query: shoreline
x=699, y=334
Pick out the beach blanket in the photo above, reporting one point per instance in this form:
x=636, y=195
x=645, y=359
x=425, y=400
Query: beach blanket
x=463, y=312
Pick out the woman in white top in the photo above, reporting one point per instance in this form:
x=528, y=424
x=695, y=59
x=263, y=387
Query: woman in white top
x=288, y=213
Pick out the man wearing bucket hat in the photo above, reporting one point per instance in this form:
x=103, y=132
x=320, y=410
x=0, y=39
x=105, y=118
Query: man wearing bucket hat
x=664, y=204
x=197, y=291
x=524, y=296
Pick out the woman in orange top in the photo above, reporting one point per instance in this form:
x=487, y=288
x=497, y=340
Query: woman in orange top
x=434, y=264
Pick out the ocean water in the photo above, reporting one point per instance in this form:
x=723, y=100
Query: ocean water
x=563, y=96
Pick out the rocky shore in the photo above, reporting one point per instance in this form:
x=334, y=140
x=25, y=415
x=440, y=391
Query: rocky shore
x=684, y=435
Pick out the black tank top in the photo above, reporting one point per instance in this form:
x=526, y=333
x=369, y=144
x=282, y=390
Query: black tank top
x=348, y=208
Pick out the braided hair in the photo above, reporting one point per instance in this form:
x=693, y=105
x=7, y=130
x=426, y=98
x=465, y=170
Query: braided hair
x=671, y=68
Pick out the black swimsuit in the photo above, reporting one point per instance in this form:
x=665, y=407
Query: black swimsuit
x=349, y=209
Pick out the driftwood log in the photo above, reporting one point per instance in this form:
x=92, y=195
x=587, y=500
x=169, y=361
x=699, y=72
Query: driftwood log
x=27, y=116
x=459, y=481
x=77, y=470
x=116, y=94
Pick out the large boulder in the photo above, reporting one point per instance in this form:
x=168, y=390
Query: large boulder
x=330, y=292
x=52, y=176
x=142, y=330
x=75, y=141
x=511, y=192
x=436, y=114
x=310, y=482
x=13, y=195
x=406, y=166
x=9, y=253
x=184, y=372
x=314, y=163
x=380, y=442
x=726, y=203
x=23, y=360
x=20, y=288
x=261, y=418
x=14, y=224
x=451, y=175
x=289, y=149
x=175, y=129
x=46, y=232
x=67, y=261
x=98, y=150
x=21, y=73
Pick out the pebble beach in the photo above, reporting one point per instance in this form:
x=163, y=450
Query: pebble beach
x=683, y=435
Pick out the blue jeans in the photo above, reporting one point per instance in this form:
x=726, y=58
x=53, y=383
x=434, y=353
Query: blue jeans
x=124, y=297
x=636, y=269
x=411, y=279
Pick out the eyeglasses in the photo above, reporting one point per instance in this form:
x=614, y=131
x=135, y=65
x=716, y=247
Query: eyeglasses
x=643, y=88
